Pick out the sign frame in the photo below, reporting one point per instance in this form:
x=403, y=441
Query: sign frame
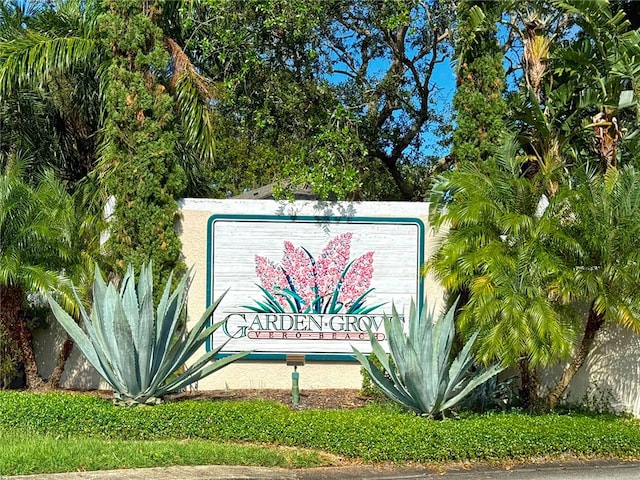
x=310, y=219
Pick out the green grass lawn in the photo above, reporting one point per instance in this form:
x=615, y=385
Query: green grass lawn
x=31, y=453
x=60, y=432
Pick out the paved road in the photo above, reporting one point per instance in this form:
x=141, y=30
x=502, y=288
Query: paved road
x=598, y=470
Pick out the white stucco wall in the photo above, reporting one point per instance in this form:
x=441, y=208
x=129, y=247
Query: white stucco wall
x=78, y=373
x=610, y=375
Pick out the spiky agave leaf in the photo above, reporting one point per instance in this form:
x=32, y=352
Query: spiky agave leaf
x=136, y=351
x=421, y=376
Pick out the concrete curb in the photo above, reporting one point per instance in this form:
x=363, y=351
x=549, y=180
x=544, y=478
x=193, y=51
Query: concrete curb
x=578, y=470
x=219, y=472
x=170, y=473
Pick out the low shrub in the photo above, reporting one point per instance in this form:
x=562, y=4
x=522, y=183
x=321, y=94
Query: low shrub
x=374, y=433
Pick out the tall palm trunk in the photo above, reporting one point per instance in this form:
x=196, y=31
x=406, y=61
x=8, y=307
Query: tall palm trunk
x=529, y=384
x=10, y=308
x=61, y=360
x=594, y=324
x=34, y=381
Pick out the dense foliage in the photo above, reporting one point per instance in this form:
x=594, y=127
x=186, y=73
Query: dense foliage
x=133, y=105
x=139, y=143
x=374, y=434
x=521, y=242
x=479, y=103
x=36, y=244
x=344, y=92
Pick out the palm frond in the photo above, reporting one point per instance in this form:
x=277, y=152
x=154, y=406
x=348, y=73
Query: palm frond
x=34, y=58
x=195, y=98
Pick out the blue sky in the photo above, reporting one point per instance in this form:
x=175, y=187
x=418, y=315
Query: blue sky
x=444, y=82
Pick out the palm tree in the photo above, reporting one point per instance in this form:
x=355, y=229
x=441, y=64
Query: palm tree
x=505, y=249
x=605, y=220
x=586, y=119
x=531, y=236
x=601, y=66
x=87, y=226
x=35, y=247
x=528, y=265
x=51, y=117
x=59, y=45
x=576, y=98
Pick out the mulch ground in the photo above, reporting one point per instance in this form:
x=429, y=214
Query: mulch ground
x=318, y=399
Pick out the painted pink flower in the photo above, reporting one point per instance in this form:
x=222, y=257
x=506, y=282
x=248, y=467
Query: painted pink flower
x=357, y=280
x=298, y=266
x=312, y=283
x=332, y=262
x=272, y=278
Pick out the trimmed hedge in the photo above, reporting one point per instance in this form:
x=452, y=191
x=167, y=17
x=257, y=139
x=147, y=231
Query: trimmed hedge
x=374, y=433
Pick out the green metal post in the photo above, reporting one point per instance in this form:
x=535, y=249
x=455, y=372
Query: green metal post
x=295, y=389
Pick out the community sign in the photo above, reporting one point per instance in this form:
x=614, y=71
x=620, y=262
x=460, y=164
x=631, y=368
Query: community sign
x=310, y=284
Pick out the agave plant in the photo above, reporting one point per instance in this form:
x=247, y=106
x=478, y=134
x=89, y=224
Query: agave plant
x=140, y=353
x=420, y=374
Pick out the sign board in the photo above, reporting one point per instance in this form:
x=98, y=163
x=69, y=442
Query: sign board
x=310, y=284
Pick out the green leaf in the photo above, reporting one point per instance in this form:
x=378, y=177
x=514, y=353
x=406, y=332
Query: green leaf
x=626, y=99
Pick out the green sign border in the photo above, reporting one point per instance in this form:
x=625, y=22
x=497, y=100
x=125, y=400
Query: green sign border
x=310, y=219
